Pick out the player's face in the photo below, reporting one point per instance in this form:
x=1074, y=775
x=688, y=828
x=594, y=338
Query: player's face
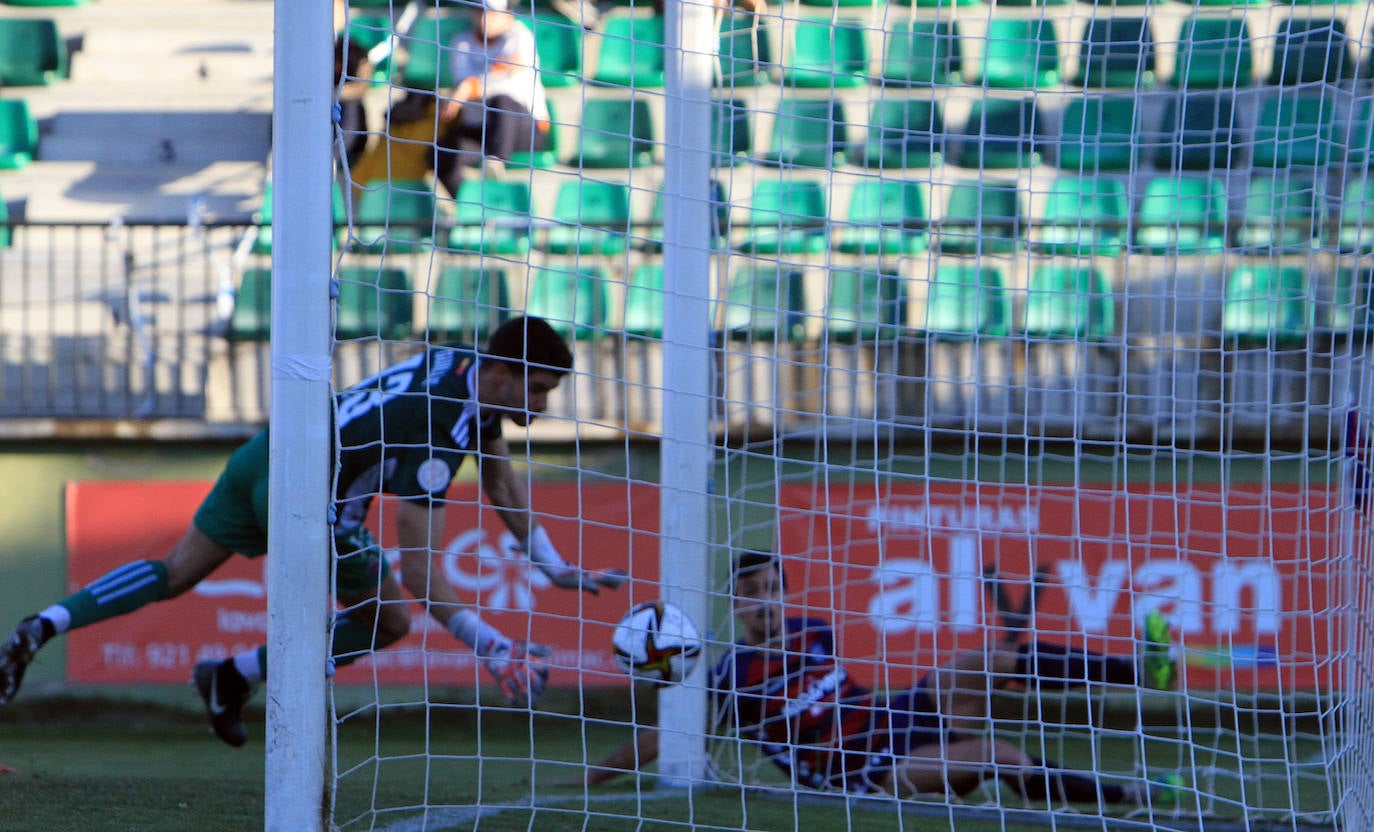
x=758, y=604
x=519, y=395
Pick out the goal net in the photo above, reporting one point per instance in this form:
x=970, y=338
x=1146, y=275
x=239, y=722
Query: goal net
x=1023, y=327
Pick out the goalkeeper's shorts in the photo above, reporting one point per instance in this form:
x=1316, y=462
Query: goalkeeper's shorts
x=234, y=515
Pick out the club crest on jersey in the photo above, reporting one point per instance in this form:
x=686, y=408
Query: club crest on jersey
x=433, y=475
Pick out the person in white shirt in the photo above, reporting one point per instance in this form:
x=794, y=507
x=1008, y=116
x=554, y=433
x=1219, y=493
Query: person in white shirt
x=497, y=106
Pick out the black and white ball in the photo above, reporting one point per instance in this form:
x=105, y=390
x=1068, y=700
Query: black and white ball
x=657, y=642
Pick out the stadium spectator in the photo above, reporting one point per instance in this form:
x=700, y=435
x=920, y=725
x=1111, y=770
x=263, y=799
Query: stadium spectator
x=782, y=688
x=497, y=106
x=403, y=432
x=405, y=151
x=352, y=75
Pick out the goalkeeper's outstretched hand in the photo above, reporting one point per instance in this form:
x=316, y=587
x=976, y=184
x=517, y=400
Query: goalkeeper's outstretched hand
x=518, y=668
x=574, y=577
x=564, y=575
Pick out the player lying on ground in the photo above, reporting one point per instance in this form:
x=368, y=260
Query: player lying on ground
x=404, y=432
x=782, y=688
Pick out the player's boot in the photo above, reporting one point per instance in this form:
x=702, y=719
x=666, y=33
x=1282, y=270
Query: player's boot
x=225, y=693
x=16, y=653
x=1158, y=665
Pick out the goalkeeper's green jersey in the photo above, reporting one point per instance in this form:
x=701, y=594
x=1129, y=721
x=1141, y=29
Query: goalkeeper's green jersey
x=406, y=431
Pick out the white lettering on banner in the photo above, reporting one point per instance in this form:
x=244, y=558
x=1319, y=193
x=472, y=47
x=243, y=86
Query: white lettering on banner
x=965, y=608
x=896, y=516
x=908, y=597
x=239, y=621
x=1177, y=585
x=499, y=574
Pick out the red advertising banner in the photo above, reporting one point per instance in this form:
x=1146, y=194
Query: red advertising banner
x=903, y=570
x=612, y=525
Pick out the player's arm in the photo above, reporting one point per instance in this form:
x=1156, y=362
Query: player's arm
x=630, y=757
x=514, y=664
x=506, y=491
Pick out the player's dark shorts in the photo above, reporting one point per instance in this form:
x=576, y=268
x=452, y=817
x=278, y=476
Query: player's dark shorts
x=234, y=515
x=910, y=720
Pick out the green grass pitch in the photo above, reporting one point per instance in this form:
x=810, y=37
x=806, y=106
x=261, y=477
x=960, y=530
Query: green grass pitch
x=92, y=765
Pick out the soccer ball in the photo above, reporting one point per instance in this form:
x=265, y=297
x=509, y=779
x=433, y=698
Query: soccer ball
x=657, y=642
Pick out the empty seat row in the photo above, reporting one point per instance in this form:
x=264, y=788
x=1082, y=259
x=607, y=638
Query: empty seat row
x=1081, y=216
x=1262, y=303
x=1213, y=52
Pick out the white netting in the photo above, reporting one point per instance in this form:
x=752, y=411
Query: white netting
x=1068, y=300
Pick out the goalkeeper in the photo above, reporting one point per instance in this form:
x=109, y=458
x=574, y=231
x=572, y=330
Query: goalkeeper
x=783, y=688
x=403, y=432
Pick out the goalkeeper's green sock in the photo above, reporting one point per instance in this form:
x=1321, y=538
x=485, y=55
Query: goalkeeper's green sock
x=128, y=588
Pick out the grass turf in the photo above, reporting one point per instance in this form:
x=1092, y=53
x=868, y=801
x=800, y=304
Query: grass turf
x=93, y=766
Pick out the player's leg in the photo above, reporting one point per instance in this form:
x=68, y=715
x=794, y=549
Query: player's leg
x=119, y=592
x=960, y=765
x=374, y=616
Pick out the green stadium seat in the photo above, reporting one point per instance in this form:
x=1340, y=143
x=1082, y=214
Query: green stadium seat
x=1000, y=133
x=262, y=243
x=1309, y=51
x=18, y=134
x=983, y=217
x=1214, y=54
x=1238, y=3
x=1199, y=133
x=632, y=51
x=826, y=53
x=6, y=238
x=573, y=300
x=1357, y=137
x=1020, y=53
x=1117, y=52
x=1065, y=301
x=467, y=304
x=1282, y=215
x=720, y=219
x=732, y=138
x=615, y=133
x=904, y=133
x=886, y=217
x=745, y=51
x=32, y=53
x=52, y=3
x=1351, y=312
x=864, y=306
x=251, y=319
x=643, y=316
x=765, y=303
x=544, y=155
x=963, y=301
x=787, y=216
x=1101, y=133
x=427, y=49
x=589, y=217
x=807, y=133
x=1295, y=129
x=373, y=303
x=397, y=217
x=921, y=53
x=1266, y=304
x=1357, y=216
x=370, y=31
x=1085, y=216
x=1185, y=215
x=491, y=217
x=933, y=4
x=558, y=42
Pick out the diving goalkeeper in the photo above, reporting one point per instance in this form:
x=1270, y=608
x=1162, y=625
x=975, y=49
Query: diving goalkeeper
x=403, y=432
x=782, y=688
